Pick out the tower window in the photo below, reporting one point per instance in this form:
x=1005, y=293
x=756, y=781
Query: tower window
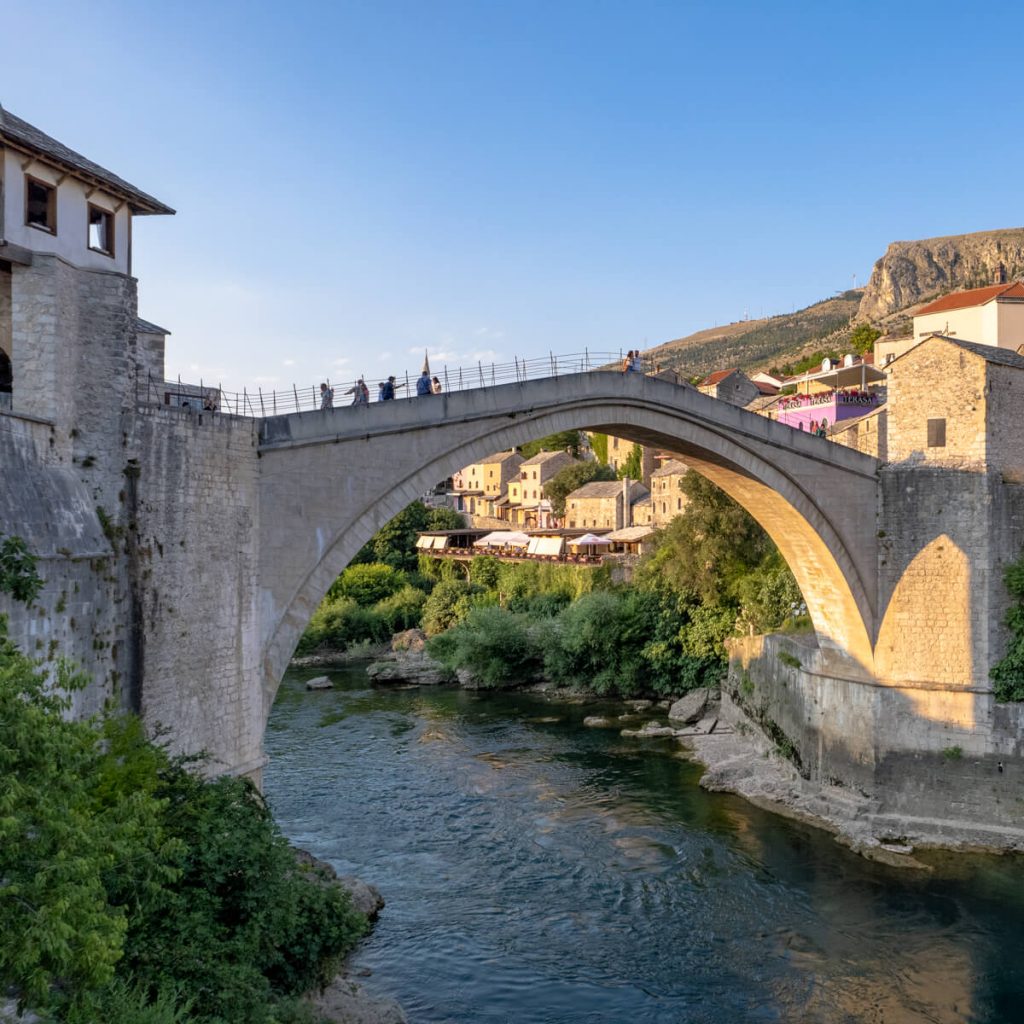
x=937, y=433
x=101, y=230
x=40, y=205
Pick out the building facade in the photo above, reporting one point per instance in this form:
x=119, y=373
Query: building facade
x=603, y=504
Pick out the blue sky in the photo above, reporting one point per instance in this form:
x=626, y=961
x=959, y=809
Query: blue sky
x=359, y=181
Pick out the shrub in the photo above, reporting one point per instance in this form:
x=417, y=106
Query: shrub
x=341, y=623
x=1008, y=673
x=447, y=605
x=484, y=571
x=368, y=583
x=402, y=610
x=499, y=647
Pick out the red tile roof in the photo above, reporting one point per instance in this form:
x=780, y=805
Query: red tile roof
x=765, y=388
x=718, y=375
x=974, y=297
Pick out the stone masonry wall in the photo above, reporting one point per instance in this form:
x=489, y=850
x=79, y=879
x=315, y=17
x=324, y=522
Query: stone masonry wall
x=5, y=310
x=80, y=613
x=194, y=551
x=938, y=380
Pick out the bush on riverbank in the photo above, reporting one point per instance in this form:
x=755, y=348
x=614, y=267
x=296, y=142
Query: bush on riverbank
x=133, y=890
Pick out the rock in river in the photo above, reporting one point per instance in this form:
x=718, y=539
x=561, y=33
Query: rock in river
x=319, y=683
x=692, y=707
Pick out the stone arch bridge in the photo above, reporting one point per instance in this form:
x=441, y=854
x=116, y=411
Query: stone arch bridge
x=329, y=479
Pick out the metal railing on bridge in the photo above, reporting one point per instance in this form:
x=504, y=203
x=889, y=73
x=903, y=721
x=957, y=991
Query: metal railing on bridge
x=259, y=403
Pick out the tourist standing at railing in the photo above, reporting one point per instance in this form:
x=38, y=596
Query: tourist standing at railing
x=435, y=387
x=423, y=385
x=326, y=397
x=387, y=390
x=627, y=363
x=360, y=392
x=638, y=362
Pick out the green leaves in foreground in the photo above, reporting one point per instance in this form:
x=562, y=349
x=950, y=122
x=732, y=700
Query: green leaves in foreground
x=132, y=890
x=1008, y=673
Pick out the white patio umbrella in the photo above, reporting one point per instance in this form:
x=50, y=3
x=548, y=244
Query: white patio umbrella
x=589, y=538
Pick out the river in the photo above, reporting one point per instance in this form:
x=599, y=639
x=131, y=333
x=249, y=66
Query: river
x=539, y=871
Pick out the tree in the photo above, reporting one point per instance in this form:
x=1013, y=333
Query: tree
x=863, y=338
x=394, y=543
x=599, y=446
x=1008, y=673
x=563, y=483
x=368, y=583
x=633, y=467
x=565, y=440
x=708, y=548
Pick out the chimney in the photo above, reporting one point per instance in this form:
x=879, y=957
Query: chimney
x=624, y=519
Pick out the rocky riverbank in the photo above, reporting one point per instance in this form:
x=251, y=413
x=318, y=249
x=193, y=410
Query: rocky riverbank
x=345, y=1001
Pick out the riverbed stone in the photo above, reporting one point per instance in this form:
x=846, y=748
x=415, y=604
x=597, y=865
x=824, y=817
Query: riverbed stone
x=691, y=708
x=598, y=722
x=655, y=729
x=641, y=705
x=346, y=1002
x=365, y=898
x=319, y=683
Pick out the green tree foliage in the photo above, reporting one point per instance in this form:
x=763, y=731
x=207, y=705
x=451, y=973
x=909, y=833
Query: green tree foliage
x=572, y=477
x=500, y=648
x=58, y=838
x=633, y=467
x=708, y=548
x=448, y=604
x=341, y=622
x=599, y=446
x=863, y=338
x=1008, y=673
x=484, y=571
x=402, y=610
x=368, y=583
x=394, y=543
x=18, y=576
x=127, y=882
x=566, y=440
x=811, y=362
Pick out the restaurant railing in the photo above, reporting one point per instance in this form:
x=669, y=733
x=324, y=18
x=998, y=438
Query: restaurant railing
x=209, y=397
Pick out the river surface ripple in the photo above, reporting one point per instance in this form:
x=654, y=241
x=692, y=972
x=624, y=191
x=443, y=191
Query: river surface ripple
x=539, y=871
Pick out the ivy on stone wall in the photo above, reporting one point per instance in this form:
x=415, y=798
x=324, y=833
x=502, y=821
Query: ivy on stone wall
x=1008, y=674
x=18, y=576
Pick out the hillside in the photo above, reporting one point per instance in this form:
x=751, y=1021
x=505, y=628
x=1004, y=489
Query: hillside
x=759, y=344
x=908, y=274
x=911, y=272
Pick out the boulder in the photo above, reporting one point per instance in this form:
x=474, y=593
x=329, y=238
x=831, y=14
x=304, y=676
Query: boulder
x=597, y=722
x=419, y=669
x=690, y=708
x=412, y=640
x=365, y=898
x=319, y=683
x=654, y=729
x=345, y=1002
x=641, y=705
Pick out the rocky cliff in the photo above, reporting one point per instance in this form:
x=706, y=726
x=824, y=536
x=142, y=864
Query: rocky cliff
x=911, y=272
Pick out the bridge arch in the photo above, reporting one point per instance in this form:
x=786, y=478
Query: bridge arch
x=357, y=468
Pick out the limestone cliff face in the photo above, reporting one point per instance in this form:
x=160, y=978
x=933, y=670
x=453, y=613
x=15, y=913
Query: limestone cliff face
x=911, y=272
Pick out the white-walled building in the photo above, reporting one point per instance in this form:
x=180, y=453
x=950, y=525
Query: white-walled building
x=67, y=297
x=988, y=316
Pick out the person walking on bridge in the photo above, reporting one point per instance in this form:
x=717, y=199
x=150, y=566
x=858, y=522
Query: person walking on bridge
x=326, y=397
x=360, y=392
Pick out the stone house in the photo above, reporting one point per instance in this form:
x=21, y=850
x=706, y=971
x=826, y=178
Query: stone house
x=478, y=488
x=600, y=505
x=527, y=505
x=989, y=316
x=732, y=386
x=620, y=449
x=667, y=498
x=67, y=297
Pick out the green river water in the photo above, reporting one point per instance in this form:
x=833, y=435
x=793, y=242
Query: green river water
x=539, y=871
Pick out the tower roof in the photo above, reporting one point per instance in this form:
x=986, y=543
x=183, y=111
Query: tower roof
x=21, y=135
